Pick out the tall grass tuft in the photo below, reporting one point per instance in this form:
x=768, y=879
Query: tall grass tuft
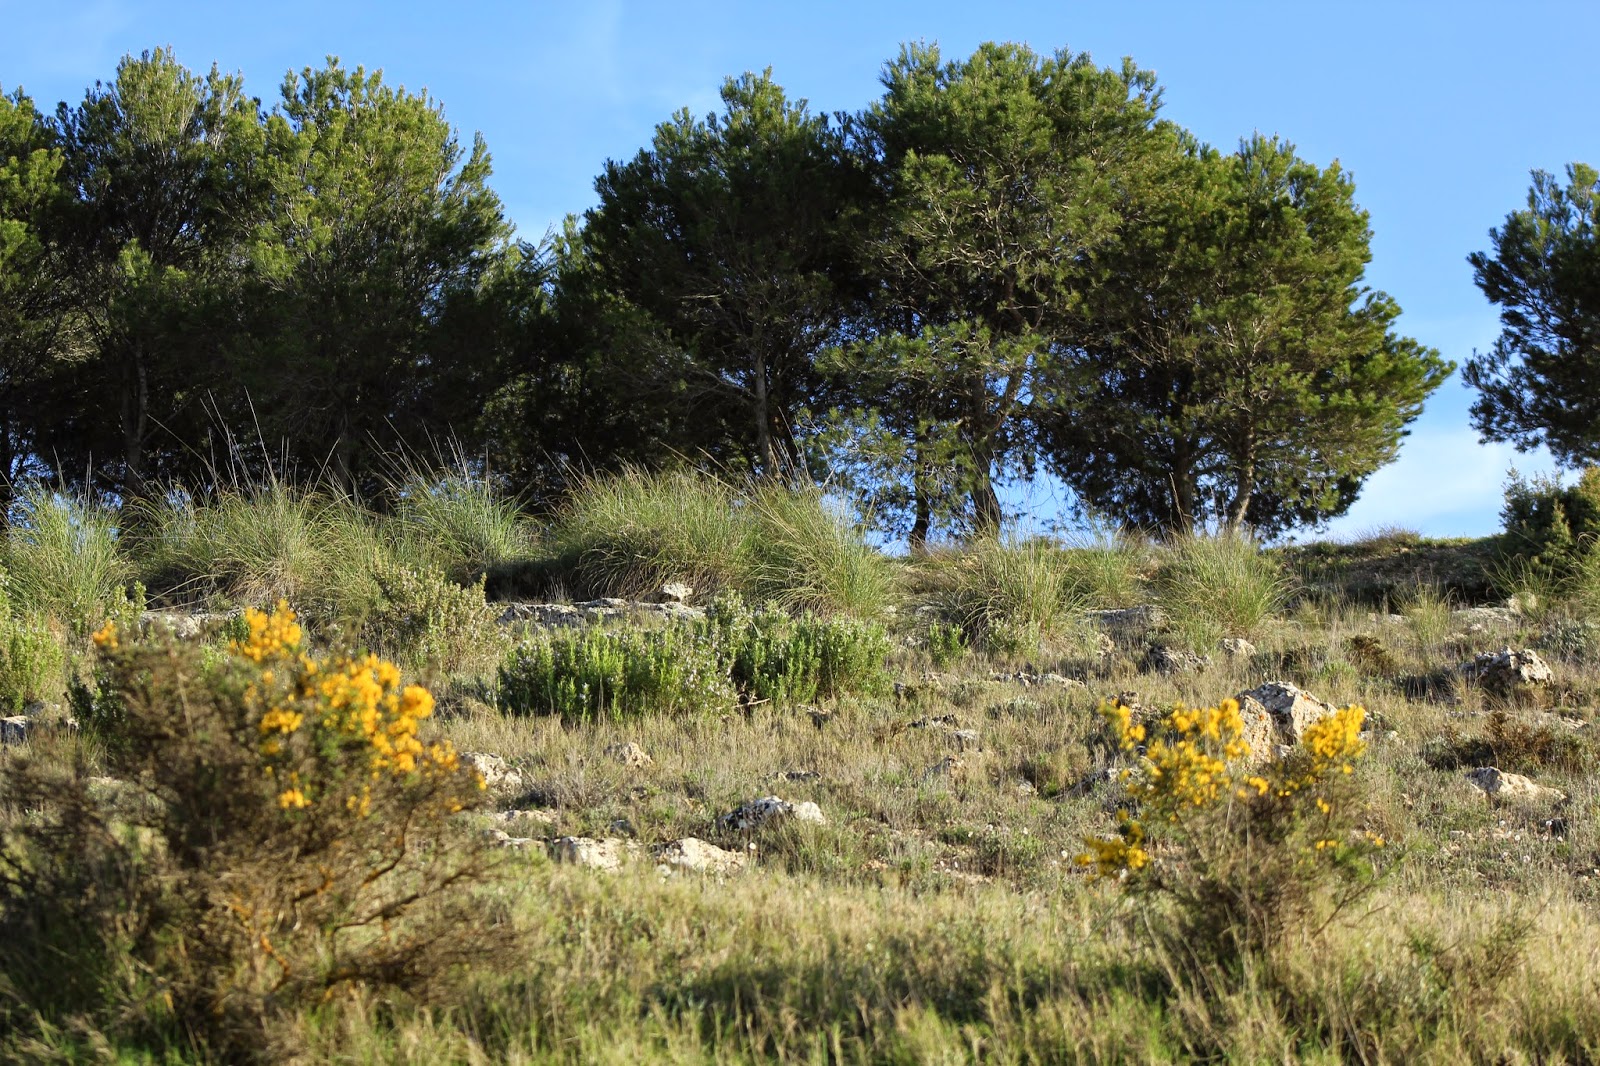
x=1011, y=597
x=62, y=559
x=807, y=556
x=462, y=521
x=1218, y=586
x=626, y=534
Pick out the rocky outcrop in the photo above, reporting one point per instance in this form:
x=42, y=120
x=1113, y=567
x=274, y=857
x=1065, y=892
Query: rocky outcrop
x=1508, y=670
x=693, y=855
x=608, y=853
x=768, y=811
x=1128, y=625
x=497, y=774
x=1276, y=715
x=1162, y=659
x=593, y=612
x=1502, y=788
x=630, y=755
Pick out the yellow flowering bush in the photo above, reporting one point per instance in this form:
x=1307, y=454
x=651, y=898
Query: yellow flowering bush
x=300, y=836
x=1245, y=848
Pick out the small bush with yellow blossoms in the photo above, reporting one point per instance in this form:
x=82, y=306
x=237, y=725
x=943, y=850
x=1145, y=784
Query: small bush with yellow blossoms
x=291, y=835
x=1247, y=851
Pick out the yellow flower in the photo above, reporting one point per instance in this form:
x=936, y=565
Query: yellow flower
x=105, y=638
x=293, y=797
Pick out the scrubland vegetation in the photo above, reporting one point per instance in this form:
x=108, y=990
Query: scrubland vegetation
x=1049, y=831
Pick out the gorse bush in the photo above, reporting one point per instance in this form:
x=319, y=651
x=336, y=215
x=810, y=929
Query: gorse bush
x=681, y=669
x=626, y=534
x=592, y=673
x=1246, y=854
x=1215, y=587
x=294, y=837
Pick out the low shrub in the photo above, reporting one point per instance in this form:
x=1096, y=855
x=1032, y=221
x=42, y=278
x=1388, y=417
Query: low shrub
x=736, y=651
x=32, y=663
x=297, y=839
x=1244, y=855
x=426, y=621
x=1215, y=587
x=593, y=673
x=769, y=655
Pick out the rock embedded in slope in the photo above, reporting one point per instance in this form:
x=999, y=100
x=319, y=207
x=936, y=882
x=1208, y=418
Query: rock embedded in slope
x=1276, y=715
x=768, y=811
x=1502, y=787
x=693, y=855
x=1508, y=670
x=608, y=853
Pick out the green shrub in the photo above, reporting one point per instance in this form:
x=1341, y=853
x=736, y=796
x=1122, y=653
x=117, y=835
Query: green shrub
x=1215, y=587
x=772, y=656
x=947, y=643
x=62, y=561
x=1108, y=574
x=585, y=674
x=425, y=621
x=1550, y=529
x=32, y=664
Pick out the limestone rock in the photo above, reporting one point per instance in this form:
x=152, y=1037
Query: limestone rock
x=14, y=730
x=1276, y=714
x=1161, y=659
x=1128, y=624
x=693, y=855
x=675, y=592
x=1502, y=787
x=182, y=625
x=1508, y=670
x=497, y=775
x=769, y=810
x=608, y=853
x=1236, y=647
x=630, y=755
x=502, y=839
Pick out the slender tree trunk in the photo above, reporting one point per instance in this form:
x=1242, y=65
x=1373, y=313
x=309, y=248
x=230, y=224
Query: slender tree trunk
x=1244, y=488
x=1182, y=522
x=762, y=409
x=921, y=504
x=135, y=416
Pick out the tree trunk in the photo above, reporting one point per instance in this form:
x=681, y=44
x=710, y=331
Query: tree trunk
x=1182, y=520
x=1244, y=488
x=921, y=505
x=762, y=409
x=135, y=416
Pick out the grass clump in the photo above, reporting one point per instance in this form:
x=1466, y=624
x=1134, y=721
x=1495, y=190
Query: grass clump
x=1219, y=586
x=627, y=534
x=1009, y=598
x=286, y=836
x=63, y=563
x=461, y=522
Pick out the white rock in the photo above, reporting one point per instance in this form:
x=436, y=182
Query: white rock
x=1502, y=787
x=630, y=755
x=606, y=854
x=14, y=729
x=675, y=592
x=496, y=773
x=769, y=810
x=694, y=855
x=1276, y=714
x=1508, y=669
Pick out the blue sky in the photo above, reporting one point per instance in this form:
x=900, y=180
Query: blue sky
x=1439, y=110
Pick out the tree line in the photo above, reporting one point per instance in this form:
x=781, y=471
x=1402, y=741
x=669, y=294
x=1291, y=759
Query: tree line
x=1008, y=263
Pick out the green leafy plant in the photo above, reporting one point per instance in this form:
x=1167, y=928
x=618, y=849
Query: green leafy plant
x=613, y=673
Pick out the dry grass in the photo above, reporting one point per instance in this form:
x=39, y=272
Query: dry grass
x=938, y=915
